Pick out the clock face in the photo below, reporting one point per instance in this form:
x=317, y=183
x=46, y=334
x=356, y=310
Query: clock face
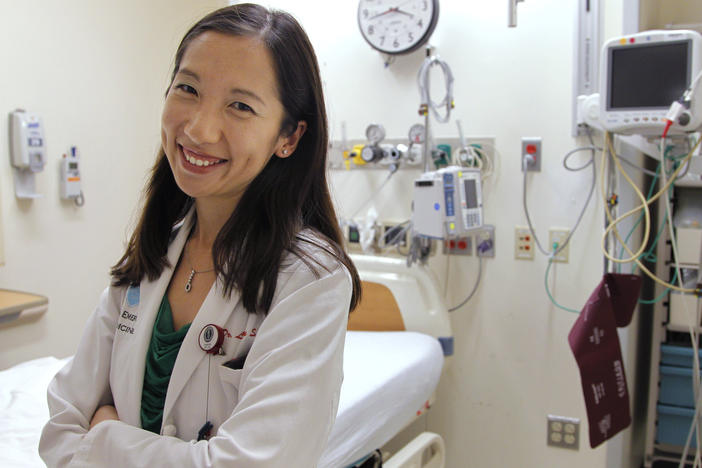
x=397, y=26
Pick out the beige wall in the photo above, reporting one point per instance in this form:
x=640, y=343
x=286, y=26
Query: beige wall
x=96, y=71
x=657, y=14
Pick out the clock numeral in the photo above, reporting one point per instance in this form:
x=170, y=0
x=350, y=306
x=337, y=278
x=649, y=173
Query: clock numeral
x=382, y=40
x=365, y=13
x=425, y=5
x=411, y=37
x=395, y=44
x=420, y=23
x=371, y=30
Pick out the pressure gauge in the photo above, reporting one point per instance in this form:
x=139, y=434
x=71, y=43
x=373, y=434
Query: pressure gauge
x=371, y=153
x=375, y=133
x=416, y=134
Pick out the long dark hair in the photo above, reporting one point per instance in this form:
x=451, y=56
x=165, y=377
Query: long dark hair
x=290, y=194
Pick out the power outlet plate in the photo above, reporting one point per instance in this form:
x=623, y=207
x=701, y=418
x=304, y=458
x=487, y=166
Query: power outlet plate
x=556, y=238
x=563, y=432
x=523, y=243
x=531, y=146
x=485, y=241
x=458, y=246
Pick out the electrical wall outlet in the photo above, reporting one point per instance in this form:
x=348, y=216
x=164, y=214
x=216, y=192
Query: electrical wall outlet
x=523, y=243
x=563, y=432
x=393, y=233
x=531, y=147
x=353, y=236
x=556, y=238
x=458, y=246
x=485, y=241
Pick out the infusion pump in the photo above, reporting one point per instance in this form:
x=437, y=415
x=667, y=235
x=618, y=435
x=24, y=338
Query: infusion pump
x=447, y=202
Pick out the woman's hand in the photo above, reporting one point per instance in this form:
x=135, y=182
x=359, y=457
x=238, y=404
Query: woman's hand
x=104, y=413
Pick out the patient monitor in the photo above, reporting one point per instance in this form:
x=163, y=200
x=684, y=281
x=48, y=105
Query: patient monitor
x=642, y=74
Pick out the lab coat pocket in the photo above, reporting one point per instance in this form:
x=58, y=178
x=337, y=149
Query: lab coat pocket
x=230, y=379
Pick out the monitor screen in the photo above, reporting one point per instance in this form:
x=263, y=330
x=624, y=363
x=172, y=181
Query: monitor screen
x=648, y=76
x=471, y=193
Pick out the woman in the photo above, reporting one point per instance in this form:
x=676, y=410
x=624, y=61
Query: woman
x=220, y=340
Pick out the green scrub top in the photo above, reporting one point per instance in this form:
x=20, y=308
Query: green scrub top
x=160, y=358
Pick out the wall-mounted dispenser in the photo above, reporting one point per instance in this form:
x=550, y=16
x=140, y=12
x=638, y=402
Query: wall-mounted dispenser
x=27, y=151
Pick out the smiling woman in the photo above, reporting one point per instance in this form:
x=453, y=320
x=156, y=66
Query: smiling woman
x=221, y=337
x=221, y=125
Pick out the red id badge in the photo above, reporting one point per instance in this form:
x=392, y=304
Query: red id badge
x=595, y=345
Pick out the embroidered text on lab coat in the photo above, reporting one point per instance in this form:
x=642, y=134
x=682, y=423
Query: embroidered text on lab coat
x=123, y=327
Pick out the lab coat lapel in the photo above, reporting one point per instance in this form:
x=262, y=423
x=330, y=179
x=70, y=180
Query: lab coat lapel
x=151, y=294
x=216, y=309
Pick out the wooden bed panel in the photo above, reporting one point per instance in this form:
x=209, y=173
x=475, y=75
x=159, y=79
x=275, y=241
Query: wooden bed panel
x=378, y=310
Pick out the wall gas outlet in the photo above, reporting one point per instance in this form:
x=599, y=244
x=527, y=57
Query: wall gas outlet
x=485, y=241
x=531, y=147
x=563, y=432
x=458, y=246
x=556, y=238
x=523, y=243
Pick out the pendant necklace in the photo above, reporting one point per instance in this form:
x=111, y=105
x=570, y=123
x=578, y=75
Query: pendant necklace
x=193, y=272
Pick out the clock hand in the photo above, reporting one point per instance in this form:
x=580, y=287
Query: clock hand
x=389, y=10
x=392, y=10
x=397, y=10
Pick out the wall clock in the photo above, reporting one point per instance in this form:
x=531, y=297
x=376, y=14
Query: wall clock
x=397, y=26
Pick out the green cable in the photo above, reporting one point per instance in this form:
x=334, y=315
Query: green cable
x=652, y=257
x=660, y=297
x=548, y=291
x=648, y=255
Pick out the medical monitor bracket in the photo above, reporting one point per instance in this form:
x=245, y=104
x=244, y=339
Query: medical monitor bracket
x=642, y=74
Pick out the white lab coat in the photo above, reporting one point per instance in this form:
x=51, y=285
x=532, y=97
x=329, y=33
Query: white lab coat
x=276, y=411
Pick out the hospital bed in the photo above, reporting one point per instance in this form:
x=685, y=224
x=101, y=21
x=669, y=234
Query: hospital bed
x=393, y=360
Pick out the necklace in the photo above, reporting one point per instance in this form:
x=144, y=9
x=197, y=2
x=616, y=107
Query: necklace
x=193, y=272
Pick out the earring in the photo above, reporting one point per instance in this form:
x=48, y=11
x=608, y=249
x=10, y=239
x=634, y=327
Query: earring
x=285, y=152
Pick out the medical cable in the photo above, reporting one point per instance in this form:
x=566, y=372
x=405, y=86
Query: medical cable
x=613, y=222
x=691, y=320
x=613, y=226
x=582, y=212
x=475, y=286
x=636, y=166
x=426, y=103
x=647, y=254
x=207, y=404
x=680, y=106
x=548, y=291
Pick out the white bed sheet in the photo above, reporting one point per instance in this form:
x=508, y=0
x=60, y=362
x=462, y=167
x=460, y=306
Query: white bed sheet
x=388, y=376
x=24, y=411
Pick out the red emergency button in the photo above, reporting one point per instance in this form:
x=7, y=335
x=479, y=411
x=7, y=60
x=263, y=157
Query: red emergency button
x=531, y=148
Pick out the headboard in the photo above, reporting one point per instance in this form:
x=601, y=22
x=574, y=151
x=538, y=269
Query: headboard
x=397, y=298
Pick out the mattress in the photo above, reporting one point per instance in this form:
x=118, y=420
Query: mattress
x=24, y=411
x=388, y=377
